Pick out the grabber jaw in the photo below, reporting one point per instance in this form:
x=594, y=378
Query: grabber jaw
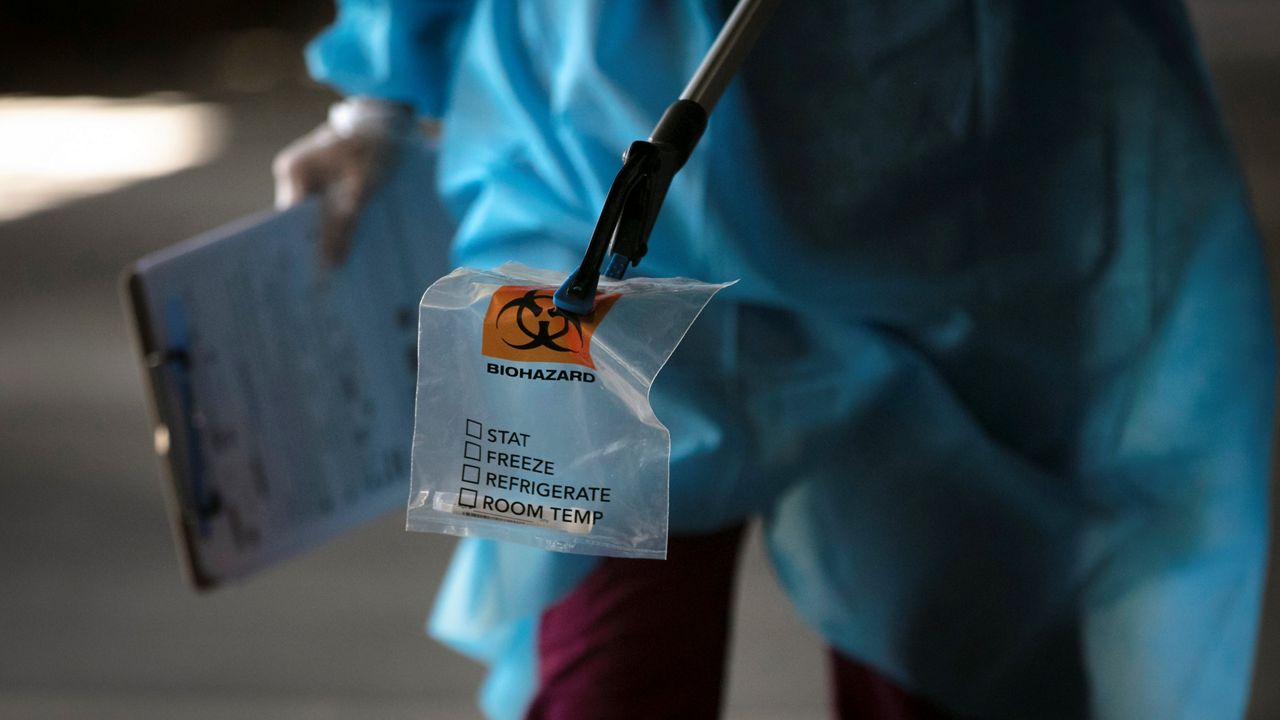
x=631, y=207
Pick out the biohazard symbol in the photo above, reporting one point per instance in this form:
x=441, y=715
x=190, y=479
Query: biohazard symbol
x=527, y=305
x=523, y=323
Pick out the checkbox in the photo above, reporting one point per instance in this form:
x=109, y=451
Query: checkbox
x=467, y=498
x=474, y=429
x=471, y=451
x=470, y=473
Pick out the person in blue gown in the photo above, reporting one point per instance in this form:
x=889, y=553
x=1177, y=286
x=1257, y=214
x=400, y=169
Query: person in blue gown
x=999, y=373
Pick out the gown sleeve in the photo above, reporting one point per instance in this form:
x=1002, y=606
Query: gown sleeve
x=398, y=50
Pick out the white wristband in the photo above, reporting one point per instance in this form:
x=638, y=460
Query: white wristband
x=367, y=116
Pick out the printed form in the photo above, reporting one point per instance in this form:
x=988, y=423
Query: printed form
x=282, y=389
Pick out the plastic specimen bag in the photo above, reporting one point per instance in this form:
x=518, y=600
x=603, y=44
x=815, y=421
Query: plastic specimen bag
x=534, y=425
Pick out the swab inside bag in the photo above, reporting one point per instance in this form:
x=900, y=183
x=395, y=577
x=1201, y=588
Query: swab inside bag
x=534, y=425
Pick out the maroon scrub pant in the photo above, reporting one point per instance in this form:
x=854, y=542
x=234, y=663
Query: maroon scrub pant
x=648, y=639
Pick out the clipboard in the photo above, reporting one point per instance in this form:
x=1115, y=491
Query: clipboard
x=281, y=389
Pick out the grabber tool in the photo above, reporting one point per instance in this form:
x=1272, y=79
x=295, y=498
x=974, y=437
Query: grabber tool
x=621, y=236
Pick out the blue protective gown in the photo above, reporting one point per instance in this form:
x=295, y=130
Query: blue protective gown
x=999, y=372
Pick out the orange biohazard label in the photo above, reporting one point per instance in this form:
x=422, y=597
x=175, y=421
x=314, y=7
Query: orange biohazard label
x=524, y=324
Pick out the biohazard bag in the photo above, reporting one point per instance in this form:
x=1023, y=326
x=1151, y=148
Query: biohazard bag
x=534, y=425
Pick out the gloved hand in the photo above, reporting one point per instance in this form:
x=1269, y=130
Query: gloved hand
x=342, y=162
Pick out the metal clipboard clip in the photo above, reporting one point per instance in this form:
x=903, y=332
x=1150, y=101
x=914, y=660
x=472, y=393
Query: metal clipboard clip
x=171, y=367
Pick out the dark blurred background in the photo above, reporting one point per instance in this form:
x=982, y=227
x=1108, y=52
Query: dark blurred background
x=127, y=126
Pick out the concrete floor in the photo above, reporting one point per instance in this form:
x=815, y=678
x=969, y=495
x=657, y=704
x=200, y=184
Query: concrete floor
x=95, y=619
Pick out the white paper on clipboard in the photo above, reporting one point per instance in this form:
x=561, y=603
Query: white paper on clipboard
x=282, y=390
